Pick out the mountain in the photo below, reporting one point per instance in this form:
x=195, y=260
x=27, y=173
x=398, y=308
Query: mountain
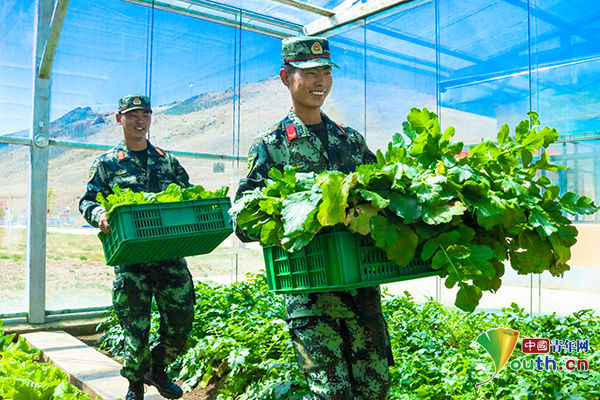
x=77, y=124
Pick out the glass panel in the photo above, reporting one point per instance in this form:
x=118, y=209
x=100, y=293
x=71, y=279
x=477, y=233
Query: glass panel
x=346, y=101
x=16, y=66
x=192, y=75
x=567, y=65
x=76, y=273
x=14, y=201
x=565, y=59
x=281, y=11
x=484, y=79
x=94, y=66
x=400, y=71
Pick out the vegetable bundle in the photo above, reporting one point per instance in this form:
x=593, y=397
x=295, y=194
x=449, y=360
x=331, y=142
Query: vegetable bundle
x=173, y=193
x=422, y=199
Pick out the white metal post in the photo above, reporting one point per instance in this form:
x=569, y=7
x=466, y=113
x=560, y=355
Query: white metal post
x=49, y=24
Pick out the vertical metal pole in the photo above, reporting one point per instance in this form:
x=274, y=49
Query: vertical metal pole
x=438, y=109
x=365, y=77
x=38, y=175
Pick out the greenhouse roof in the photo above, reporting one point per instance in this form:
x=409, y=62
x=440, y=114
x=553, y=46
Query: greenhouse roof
x=278, y=18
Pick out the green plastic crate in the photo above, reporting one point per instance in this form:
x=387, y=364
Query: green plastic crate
x=143, y=233
x=333, y=261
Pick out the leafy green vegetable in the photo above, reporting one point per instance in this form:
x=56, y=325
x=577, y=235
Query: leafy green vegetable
x=23, y=378
x=420, y=193
x=173, y=193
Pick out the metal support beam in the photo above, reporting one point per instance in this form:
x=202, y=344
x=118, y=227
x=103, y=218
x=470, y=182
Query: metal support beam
x=307, y=7
x=58, y=17
x=104, y=147
x=223, y=20
x=397, y=35
x=496, y=75
x=38, y=175
x=355, y=15
x=15, y=140
x=247, y=13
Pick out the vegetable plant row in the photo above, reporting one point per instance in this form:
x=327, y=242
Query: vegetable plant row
x=23, y=378
x=468, y=215
x=240, y=345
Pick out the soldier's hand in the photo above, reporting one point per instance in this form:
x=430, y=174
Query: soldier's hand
x=103, y=223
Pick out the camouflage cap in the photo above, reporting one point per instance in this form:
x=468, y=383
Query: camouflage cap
x=134, y=102
x=306, y=52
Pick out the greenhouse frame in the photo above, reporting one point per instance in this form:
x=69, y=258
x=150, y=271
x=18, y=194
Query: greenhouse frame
x=212, y=71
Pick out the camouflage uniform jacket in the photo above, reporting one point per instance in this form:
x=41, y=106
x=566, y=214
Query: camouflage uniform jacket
x=290, y=142
x=118, y=167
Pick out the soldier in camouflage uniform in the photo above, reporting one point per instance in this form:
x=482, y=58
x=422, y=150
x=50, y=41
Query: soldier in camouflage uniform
x=340, y=338
x=137, y=165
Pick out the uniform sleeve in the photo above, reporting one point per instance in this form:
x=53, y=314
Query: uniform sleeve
x=181, y=175
x=88, y=206
x=259, y=165
x=368, y=157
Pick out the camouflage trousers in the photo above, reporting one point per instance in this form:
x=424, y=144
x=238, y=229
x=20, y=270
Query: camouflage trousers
x=170, y=283
x=343, y=358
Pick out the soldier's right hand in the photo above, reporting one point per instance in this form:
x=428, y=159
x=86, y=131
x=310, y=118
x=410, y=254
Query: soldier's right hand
x=103, y=223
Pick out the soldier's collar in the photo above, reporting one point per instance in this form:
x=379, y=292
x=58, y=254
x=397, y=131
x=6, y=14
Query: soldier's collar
x=301, y=129
x=123, y=151
x=154, y=151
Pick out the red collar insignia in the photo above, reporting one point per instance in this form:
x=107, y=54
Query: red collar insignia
x=291, y=132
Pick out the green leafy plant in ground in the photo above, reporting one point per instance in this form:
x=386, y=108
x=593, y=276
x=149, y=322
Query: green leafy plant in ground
x=23, y=378
x=239, y=337
x=172, y=193
x=467, y=215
